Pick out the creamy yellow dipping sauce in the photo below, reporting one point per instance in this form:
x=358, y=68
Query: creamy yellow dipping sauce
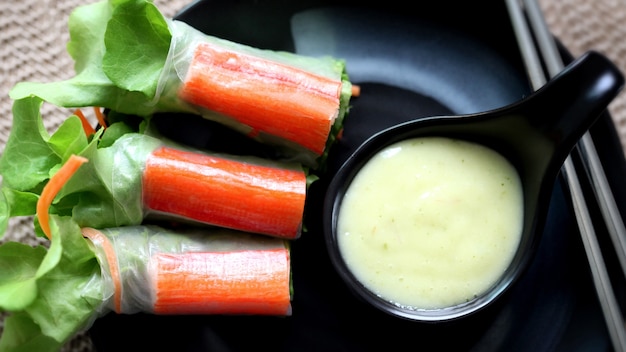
x=431, y=222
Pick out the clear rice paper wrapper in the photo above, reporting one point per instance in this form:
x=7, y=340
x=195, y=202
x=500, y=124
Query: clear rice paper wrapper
x=137, y=249
x=184, y=43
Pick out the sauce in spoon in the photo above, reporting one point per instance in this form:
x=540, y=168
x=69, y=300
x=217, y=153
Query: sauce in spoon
x=431, y=222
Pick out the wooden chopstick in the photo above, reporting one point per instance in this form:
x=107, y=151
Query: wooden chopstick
x=609, y=305
x=588, y=152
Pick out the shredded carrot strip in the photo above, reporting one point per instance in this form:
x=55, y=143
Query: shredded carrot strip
x=356, y=90
x=98, y=238
x=89, y=130
x=340, y=134
x=100, y=116
x=52, y=188
x=240, y=282
x=224, y=192
x=271, y=97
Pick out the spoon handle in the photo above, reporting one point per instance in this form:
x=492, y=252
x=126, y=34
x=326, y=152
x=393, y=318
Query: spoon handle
x=580, y=93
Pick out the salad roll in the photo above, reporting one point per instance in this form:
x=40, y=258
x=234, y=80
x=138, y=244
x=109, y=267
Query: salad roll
x=131, y=59
x=216, y=271
x=86, y=274
x=134, y=177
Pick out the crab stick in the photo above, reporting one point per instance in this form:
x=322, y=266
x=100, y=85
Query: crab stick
x=270, y=97
x=200, y=271
x=225, y=192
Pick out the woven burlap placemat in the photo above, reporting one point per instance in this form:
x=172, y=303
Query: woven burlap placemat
x=33, y=35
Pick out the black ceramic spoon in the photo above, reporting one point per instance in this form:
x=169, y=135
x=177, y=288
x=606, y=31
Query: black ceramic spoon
x=536, y=134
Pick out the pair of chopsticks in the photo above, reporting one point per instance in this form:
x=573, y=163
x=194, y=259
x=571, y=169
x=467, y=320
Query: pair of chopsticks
x=524, y=13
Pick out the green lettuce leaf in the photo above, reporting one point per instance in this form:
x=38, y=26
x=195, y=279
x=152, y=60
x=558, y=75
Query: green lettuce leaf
x=19, y=264
x=68, y=139
x=5, y=212
x=31, y=156
x=104, y=192
x=27, y=158
x=144, y=50
x=22, y=334
x=51, y=294
x=71, y=292
x=137, y=41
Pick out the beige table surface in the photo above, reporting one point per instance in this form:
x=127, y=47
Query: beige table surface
x=33, y=34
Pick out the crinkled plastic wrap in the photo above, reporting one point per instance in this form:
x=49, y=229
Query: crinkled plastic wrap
x=199, y=271
x=281, y=125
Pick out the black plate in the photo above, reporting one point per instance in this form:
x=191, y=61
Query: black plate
x=449, y=58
